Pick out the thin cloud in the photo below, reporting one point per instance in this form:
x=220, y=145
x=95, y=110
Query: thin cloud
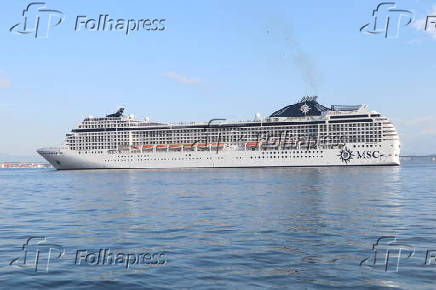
x=5, y=82
x=182, y=79
x=421, y=126
x=419, y=24
x=422, y=120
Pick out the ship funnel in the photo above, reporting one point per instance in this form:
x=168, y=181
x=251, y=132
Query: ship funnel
x=117, y=114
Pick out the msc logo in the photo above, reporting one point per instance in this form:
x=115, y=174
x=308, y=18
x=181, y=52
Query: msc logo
x=388, y=20
x=368, y=154
x=38, y=20
x=346, y=155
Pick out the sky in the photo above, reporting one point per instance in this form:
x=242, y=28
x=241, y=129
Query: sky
x=214, y=59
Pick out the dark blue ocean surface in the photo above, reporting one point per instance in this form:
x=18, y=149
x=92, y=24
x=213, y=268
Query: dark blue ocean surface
x=219, y=228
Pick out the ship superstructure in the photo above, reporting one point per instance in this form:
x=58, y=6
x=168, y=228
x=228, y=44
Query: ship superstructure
x=304, y=134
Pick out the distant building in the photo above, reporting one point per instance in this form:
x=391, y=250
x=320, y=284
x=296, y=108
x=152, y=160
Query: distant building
x=24, y=165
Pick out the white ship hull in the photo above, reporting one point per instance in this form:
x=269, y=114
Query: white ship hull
x=386, y=153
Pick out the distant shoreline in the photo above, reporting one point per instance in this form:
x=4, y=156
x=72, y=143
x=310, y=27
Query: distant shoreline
x=5, y=165
x=417, y=156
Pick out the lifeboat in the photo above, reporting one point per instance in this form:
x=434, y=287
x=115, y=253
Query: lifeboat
x=270, y=144
x=217, y=145
x=187, y=146
x=252, y=144
x=161, y=146
x=148, y=146
x=175, y=146
x=307, y=142
x=202, y=146
x=290, y=144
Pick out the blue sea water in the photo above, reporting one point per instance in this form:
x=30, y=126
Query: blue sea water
x=296, y=228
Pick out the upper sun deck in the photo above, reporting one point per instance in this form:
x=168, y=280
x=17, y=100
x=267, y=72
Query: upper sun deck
x=306, y=110
x=309, y=107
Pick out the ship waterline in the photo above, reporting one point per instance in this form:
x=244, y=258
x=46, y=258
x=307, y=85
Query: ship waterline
x=303, y=134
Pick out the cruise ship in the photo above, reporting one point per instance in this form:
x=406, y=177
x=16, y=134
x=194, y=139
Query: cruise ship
x=303, y=134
